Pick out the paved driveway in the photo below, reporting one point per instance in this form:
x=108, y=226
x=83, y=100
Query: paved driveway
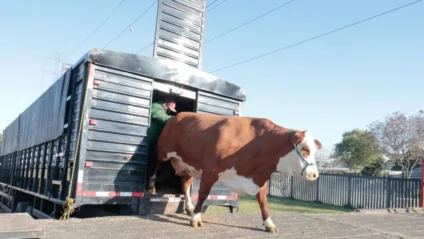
x=243, y=225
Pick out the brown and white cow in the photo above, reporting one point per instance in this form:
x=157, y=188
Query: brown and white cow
x=240, y=152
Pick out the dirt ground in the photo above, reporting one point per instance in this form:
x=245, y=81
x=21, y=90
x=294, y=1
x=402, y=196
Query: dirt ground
x=242, y=225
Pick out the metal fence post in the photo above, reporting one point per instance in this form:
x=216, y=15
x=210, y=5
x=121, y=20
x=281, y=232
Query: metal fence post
x=349, y=191
x=291, y=186
x=422, y=184
x=269, y=185
x=317, y=191
x=388, y=193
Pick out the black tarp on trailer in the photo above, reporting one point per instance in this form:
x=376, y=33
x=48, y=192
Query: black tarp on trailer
x=42, y=121
x=10, y=142
x=100, y=108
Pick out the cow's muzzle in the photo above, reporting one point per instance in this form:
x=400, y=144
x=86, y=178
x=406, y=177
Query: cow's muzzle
x=311, y=176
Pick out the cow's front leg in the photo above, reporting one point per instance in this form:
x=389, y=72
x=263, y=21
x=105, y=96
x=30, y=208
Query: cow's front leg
x=206, y=183
x=186, y=186
x=262, y=200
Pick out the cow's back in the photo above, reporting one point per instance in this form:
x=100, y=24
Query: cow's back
x=186, y=126
x=194, y=135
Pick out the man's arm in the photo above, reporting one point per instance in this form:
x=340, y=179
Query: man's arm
x=159, y=113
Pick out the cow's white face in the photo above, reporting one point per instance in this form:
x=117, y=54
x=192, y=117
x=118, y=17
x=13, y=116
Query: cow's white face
x=294, y=162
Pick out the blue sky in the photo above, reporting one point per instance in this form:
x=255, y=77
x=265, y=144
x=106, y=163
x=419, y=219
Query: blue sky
x=330, y=85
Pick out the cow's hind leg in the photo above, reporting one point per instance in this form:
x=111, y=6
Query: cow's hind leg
x=262, y=200
x=206, y=182
x=186, y=186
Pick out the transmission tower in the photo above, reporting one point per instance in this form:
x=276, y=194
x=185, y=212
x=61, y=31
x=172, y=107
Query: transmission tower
x=51, y=70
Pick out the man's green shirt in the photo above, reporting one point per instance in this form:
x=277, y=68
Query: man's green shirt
x=159, y=117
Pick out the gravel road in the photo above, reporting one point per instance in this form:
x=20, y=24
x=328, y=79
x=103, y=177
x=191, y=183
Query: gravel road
x=242, y=225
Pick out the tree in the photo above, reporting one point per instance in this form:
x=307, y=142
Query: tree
x=324, y=159
x=374, y=168
x=357, y=149
x=401, y=138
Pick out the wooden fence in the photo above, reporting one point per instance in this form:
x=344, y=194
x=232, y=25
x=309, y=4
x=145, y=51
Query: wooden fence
x=349, y=190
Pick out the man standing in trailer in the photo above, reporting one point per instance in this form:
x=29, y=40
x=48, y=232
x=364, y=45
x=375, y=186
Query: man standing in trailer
x=161, y=112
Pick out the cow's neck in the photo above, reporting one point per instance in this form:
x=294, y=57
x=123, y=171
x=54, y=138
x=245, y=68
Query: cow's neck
x=278, y=143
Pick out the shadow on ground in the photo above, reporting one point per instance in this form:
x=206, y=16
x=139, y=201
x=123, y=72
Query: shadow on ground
x=184, y=220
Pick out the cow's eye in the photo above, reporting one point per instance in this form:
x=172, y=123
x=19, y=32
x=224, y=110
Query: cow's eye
x=305, y=152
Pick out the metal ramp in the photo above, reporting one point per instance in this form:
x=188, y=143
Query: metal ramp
x=19, y=225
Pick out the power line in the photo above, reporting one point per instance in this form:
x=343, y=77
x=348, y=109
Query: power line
x=145, y=47
x=139, y=16
x=216, y=5
x=211, y=3
x=315, y=37
x=98, y=27
x=250, y=21
x=241, y=25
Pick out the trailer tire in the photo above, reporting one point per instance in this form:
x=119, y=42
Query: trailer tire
x=21, y=207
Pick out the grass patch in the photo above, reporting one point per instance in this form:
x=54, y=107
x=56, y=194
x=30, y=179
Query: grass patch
x=250, y=204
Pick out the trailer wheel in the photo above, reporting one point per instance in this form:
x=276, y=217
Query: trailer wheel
x=21, y=207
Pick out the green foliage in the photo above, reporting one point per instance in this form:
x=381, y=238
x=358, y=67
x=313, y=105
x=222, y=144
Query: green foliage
x=374, y=168
x=357, y=149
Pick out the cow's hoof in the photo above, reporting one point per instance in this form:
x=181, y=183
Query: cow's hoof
x=271, y=229
x=196, y=223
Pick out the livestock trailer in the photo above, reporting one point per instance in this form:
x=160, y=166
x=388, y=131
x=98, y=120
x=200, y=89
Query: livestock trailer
x=86, y=135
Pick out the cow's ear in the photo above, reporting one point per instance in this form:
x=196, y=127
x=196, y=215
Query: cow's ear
x=318, y=144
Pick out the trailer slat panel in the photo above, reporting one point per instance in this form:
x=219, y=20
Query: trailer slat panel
x=179, y=31
x=117, y=134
